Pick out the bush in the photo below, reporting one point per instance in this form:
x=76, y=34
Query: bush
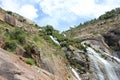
x=18, y=34
x=29, y=49
x=9, y=12
x=10, y=45
x=30, y=61
x=48, y=29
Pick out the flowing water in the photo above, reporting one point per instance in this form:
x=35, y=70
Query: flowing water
x=98, y=60
x=75, y=73
x=54, y=40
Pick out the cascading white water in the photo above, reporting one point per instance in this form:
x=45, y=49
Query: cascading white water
x=75, y=73
x=54, y=40
x=97, y=59
x=97, y=69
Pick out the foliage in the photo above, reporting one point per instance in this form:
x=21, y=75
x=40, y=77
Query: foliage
x=48, y=29
x=22, y=20
x=60, y=37
x=30, y=61
x=29, y=49
x=18, y=34
x=10, y=45
x=14, y=37
x=9, y=12
x=110, y=14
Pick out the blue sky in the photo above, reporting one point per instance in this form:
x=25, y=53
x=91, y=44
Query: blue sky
x=61, y=14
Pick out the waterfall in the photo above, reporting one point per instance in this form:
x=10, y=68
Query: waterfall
x=54, y=40
x=97, y=59
x=75, y=73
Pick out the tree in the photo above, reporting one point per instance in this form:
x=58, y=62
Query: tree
x=48, y=29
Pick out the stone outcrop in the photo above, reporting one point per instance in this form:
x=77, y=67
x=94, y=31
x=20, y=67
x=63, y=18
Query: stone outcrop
x=10, y=19
x=20, y=50
x=15, y=19
x=112, y=38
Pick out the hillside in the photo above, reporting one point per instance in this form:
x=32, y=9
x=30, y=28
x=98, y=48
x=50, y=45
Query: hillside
x=32, y=45
x=105, y=22
x=107, y=26
x=103, y=36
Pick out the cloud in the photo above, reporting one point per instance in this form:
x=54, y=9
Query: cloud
x=70, y=11
x=23, y=7
x=60, y=13
x=29, y=11
x=9, y=5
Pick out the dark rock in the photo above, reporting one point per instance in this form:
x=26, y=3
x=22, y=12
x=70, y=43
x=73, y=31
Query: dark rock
x=112, y=38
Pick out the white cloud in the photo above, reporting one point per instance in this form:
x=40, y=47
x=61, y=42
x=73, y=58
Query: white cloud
x=77, y=7
x=70, y=10
x=29, y=11
x=24, y=7
x=60, y=12
x=9, y=5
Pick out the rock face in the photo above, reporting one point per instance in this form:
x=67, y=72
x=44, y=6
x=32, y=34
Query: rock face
x=20, y=50
x=15, y=19
x=10, y=19
x=112, y=38
x=13, y=68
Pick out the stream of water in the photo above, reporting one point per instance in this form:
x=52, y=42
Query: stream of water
x=97, y=59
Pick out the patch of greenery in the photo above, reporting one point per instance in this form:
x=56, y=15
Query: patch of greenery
x=10, y=45
x=103, y=56
x=9, y=12
x=29, y=49
x=22, y=20
x=30, y=61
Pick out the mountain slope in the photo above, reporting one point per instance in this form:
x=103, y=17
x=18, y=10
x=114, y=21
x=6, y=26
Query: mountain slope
x=107, y=26
x=97, y=43
x=30, y=44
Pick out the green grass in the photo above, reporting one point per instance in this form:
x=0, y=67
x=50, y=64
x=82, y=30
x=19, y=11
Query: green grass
x=30, y=61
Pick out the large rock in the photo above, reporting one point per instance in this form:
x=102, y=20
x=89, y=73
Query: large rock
x=112, y=38
x=20, y=50
x=10, y=19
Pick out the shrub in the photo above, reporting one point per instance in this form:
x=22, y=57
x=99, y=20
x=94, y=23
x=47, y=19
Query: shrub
x=17, y=34
x=29, y=49
x=10, y=45
x=48, y=29
x=30, y=61
x=9, y=12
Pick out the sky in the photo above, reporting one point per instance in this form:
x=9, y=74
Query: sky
x=61, y=14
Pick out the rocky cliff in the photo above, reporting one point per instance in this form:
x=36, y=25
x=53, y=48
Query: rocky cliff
x=29, y=53
x=102, y=35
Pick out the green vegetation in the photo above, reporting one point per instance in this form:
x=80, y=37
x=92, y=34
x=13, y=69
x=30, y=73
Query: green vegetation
x=110, y=14
x=30, y=61
x=9, y=12
x=22, y=20
x=14, y=37
x=104, y=56
x=48, y=29
x=10, y=45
